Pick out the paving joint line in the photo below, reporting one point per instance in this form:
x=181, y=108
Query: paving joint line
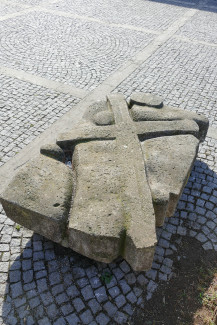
x=16, y=14
x=73, y=116
x=188, y=40
x=95, y=20
x=212, y=132
x=43, y=82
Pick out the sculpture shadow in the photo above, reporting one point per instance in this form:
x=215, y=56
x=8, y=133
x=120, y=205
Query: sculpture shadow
x=204, y=5
x=48, y=283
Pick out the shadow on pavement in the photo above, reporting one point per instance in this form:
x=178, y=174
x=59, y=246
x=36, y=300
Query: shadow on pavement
x=48, y=284
x=204, y=5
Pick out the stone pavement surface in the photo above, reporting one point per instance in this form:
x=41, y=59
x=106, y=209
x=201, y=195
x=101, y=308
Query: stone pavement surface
x=56, y=57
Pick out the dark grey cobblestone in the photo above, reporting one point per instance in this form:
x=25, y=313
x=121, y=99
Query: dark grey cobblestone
x=71, y=51
x=26, y=110
x=122, y=12
x=183, y=74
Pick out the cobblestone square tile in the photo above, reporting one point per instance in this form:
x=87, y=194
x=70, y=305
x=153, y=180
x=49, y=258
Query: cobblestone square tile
x=128, y=13
x=82, y=54
x=183, y=74
x=26, y=109
x=202, y=27
x=6, y=8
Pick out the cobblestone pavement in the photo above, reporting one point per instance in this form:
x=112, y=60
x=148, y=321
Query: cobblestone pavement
x=166, y=48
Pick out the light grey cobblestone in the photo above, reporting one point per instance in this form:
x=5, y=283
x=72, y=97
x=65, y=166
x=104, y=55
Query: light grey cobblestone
x=182, y=73
x=193, y=30
x=122, y=12
x=70, y=51
x=40, y=282
x=26, y=110
x=6, y=8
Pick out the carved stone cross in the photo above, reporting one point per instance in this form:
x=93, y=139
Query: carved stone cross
x=129, y=166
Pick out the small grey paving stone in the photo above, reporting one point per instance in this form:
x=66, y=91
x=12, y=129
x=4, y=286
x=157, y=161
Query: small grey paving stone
x=67, y=309
x=95, y=306
x=82, y=282
x=42, y=285
x=60, y=321
x=125, y=267
x=58, y=289
x=101, y=294
x=54, y=278
x=41, y=274
x=125, y=288
x=168, y=262
x=142, y=280
x=95, y=282
x=52, y=311
x=151, y=274
x=120, y=301
x=47, y=298
x=87, y=293
x=131, y=297
x=208, y=245
x=86, y=317
x=16, y=289
x=28, y=276
x=73, y=319
x=128, y=309
x=72, y=291
x=44, y=321
x=120, y=318
x=61, y=298
x=152, y=286
x=110, y=308
x=19, y=302
x=181, y=231
x=137, y=291
x=201, y=238
x=34, y=302
x=78, y=304
x=102, y=319
x=114, y=292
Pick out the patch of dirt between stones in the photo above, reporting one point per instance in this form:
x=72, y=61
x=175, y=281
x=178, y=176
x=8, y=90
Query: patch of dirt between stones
x=190, y=297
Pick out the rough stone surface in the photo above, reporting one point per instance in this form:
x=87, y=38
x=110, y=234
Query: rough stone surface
x=168, y=161
x=39, y=197
x=111, y=213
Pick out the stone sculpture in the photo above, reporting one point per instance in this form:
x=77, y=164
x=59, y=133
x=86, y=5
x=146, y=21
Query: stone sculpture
x=130, y=163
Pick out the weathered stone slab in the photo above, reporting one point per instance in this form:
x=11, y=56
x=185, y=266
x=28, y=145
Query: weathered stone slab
x=168, y=162
x=129, y=166
x=39, y=197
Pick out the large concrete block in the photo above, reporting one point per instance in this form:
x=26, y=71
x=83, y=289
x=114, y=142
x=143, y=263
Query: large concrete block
x=130, y=164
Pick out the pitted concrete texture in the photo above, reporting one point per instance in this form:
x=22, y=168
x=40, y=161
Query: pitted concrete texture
x=118, y=195
x=39, y=283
